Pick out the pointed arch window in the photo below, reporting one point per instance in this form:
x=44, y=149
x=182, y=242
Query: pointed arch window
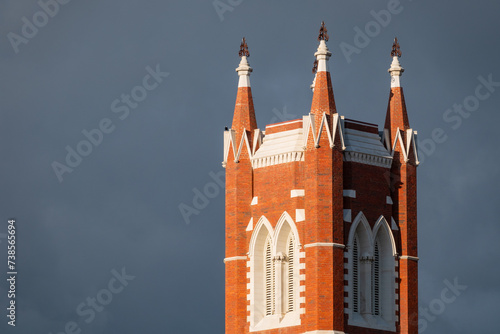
x=371, y=273
x=274, y=275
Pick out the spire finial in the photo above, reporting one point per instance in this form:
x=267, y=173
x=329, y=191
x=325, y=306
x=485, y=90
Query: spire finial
x=244, y=49
x=323, y=32
x=396, y=52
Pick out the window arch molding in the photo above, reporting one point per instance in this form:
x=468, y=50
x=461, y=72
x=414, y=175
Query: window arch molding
x=283, y=227
x=256, y=235
x=383, y=226
x=365, y=229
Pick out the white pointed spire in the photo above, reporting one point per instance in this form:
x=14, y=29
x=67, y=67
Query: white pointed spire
x=244, y=68
x=395, y=70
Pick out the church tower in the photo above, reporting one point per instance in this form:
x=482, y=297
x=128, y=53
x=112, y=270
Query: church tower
x=321, y=220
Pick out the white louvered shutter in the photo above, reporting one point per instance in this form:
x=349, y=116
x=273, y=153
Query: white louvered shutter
x=355, y=276
x=290, y=275
x=376, y=281
x=269, y=279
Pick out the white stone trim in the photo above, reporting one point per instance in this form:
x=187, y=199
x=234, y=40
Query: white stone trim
x=235, y=258
x=257, y=140
x=394, y=226
x=244, y=71
x=297, y=193
x=382, y=223
x=409, y=257
x=280, y=147
x=411, y=141
x=347, y=215
x=324, y=244
x=250, y=225
x=285, y=217
x=322, y=55
x=388, y=200
x=367, y=159
x=277, y=159
x=230, y=141
x=324, y=332
x=395, y=70
x=309, y=126
x=283, y=123
x=255, y=201
x=300, y=215
x=349, y=193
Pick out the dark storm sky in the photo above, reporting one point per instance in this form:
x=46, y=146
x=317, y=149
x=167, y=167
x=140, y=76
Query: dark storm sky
x=119, y=208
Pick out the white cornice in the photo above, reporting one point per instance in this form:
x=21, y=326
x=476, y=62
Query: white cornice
x=234, y=258
x=277, y=159
x=367, y=159
x=325, y=244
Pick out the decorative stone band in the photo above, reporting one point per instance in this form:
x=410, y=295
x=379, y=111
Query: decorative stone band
x=325, y=244
x=367, y=159
x=408, y=257
x=324, y=332
x=278, y=159
x=234, y=258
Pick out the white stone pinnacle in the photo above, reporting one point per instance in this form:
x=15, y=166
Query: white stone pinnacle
x=396, y=71
x=322, y=55
x=244, y=71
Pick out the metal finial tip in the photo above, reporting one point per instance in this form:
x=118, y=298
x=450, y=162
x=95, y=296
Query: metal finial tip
x=244, y=48
x=323, y=32
x=396, y=51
